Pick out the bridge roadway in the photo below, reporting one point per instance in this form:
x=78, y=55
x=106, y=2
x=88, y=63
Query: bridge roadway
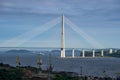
x=86, y=57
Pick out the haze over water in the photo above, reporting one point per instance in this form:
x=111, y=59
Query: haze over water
x=90, y=66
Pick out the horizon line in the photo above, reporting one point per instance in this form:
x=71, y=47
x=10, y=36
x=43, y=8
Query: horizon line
x=59, y=47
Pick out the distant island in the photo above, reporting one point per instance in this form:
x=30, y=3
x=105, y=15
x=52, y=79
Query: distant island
x=68, y=52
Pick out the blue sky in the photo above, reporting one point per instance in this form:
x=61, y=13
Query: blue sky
x=99, y=19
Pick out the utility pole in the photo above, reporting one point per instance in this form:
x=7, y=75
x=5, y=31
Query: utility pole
x=50, y=67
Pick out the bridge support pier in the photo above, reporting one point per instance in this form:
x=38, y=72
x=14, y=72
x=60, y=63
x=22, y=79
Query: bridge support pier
x=93, y=52
x=83, y=53
x=110, y=51
x=73, y=53
x=102, y=53
x=63, y=53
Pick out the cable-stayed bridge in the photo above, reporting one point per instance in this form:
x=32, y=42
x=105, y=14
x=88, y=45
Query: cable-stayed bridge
x=37, y=31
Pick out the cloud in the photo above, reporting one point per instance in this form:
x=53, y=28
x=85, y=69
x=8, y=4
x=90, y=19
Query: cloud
x=97, y=10
x=84, y=13
x=68, y=7
x=35, y=6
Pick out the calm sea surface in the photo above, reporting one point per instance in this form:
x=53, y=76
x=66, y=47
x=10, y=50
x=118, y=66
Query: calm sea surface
x=90, y=66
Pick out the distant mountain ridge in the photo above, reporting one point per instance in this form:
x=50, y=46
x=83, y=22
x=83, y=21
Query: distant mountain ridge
x=23, y=52
x=19, y=51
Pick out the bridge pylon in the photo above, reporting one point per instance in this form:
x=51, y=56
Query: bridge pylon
x=63, y=39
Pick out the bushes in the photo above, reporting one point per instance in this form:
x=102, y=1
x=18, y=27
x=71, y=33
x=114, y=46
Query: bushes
x=61, y=77
x=10, y=74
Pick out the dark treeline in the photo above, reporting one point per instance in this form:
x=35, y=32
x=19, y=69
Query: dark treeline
x=8, y=72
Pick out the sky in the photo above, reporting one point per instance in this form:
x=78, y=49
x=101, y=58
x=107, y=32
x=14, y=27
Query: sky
x=37, y=23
